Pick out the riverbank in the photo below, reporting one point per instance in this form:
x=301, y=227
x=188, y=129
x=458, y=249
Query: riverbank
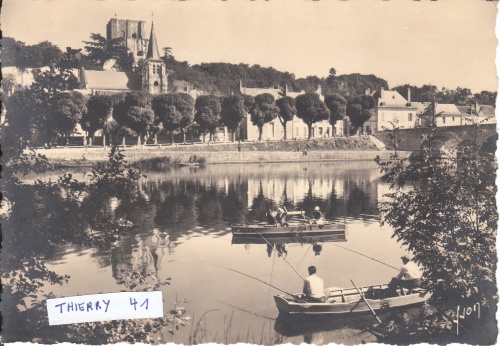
x=74, y=156
x=332, y=149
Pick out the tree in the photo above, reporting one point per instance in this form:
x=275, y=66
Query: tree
x=358, y=110
x=311, y=109
x=248, y=102
x=8, y=83
x=49, y=83
x=263, y=111
x=174, y=111
x=167, y=53
x=25, y=113
x=337, y=106
x=133, y=110
x=12, y=51
x=100, y=50
x=98, y=111
x=444, y=210
x=233, y=111
x=65, y=110
x=207, y=114
x=71, y=59
x=287, y=111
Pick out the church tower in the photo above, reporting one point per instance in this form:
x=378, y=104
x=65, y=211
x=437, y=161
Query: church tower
x=154, y=70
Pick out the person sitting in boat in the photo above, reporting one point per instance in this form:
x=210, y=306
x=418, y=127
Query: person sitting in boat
x=409, y=276
x=271, y=220
x=318, y=216
x=281, y=216
x=313, y=287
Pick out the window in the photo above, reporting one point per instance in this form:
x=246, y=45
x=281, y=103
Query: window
x=410, y=117
x=320, y=131
x=444, y=120
x=453, y=119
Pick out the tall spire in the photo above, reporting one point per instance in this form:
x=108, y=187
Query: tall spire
x=153, y=52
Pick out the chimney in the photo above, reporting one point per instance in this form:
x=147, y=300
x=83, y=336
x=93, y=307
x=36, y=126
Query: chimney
x=409, y=95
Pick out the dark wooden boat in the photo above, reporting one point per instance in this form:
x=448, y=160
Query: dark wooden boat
x=189, y=164
x=301, y=239
x=294, y=229
x=344, y=301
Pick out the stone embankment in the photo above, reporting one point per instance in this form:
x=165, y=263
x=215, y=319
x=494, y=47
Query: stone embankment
x=133, y=154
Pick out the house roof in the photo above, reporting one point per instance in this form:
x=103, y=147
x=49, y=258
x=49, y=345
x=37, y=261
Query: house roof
x=420, y=106
x=488, y=111
x=111, y=80
x=485, y=111
x=391, y=98
x=447, y=109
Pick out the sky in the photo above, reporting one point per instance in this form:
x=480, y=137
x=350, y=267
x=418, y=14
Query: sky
x=448, y=43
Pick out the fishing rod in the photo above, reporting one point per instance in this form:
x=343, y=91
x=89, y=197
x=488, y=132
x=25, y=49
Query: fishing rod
x=359, y=253
x=291, y=266
x=287, y=293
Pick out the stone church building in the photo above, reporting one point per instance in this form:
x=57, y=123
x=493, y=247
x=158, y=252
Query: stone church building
x=153, y=76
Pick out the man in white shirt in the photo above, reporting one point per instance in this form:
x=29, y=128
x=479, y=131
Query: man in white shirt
x=313, y=286
x=409, y=275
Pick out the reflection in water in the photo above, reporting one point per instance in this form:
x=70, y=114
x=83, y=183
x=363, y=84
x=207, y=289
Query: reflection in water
x=178, y=225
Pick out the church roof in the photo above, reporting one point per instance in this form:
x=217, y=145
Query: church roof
x=153, y=52
x=111, y=80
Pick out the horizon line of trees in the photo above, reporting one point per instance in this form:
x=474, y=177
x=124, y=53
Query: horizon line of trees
x=222, y=79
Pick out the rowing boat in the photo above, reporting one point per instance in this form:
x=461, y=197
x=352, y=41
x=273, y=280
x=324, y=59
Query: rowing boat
x=343, y=301
x=301, y=239
x=293, y=229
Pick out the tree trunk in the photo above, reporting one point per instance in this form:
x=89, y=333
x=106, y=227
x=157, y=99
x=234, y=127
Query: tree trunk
x=103, y=140
x=233, y=132
x=211, y=137
x=225, y=134
x=204, y=136
x=309, y=127
x=172, y=137
x=184, y=137
x=284, y=130
x=260, y=133
x=139, y=140
x=156, y=138
x=124, y=144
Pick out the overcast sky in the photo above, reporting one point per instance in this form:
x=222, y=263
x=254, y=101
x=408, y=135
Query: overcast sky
x=448, y=43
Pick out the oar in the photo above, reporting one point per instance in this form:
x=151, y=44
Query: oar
x=366, y=302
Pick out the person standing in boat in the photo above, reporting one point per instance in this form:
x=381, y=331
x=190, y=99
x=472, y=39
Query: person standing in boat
x=409, y=276
x=313, y=287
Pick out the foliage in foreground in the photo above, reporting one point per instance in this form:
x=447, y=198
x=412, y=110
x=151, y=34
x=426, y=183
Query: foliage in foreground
x=47, y=214
x=444, y=210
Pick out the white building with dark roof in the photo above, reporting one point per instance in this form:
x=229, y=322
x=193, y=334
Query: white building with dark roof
x=394, y=109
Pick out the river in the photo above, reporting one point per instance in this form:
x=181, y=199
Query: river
x=181, y=230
